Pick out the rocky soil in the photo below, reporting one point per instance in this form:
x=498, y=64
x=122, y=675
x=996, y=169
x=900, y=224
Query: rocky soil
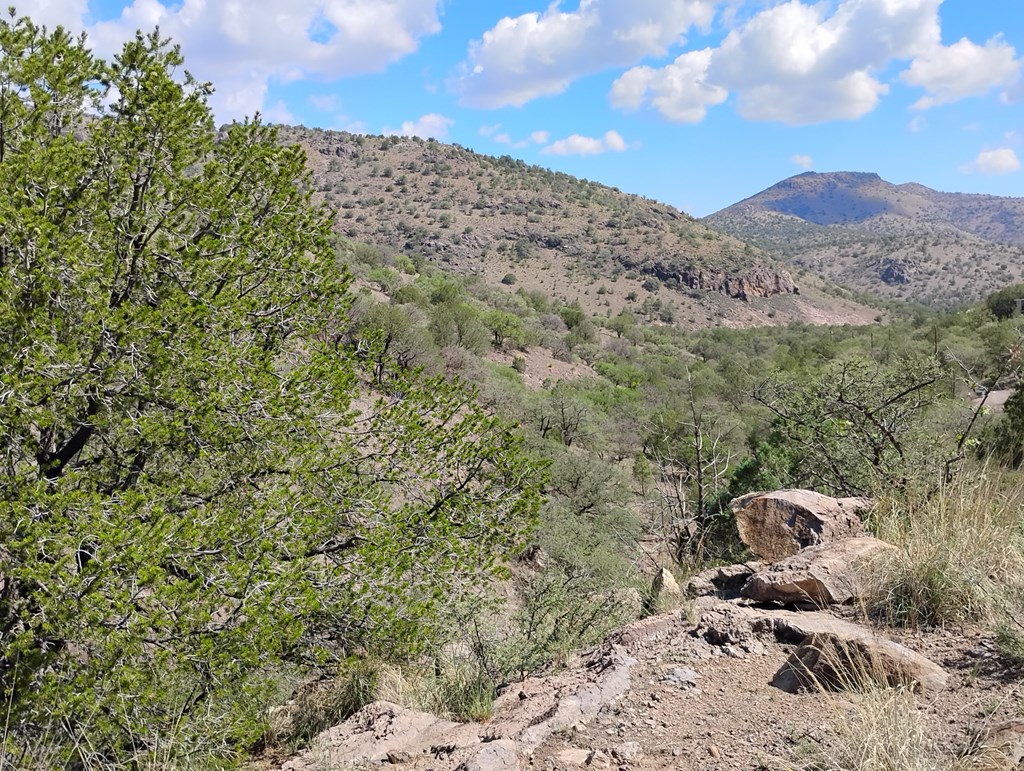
x=725, y=681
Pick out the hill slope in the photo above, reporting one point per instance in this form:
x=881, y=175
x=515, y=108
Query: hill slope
x=905, y=241
x=572, y=239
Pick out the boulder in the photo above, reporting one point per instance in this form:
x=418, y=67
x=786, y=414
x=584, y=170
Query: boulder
x=830, y=574
x=725, y=582
x=845, y=659
x=778, y=524
x=723, y=623
x=665, y=591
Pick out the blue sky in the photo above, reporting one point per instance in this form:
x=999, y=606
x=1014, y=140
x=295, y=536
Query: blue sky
x=698, y=103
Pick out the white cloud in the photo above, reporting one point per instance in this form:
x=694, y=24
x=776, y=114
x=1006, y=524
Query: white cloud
x=1002, y=160
x=540, y=137
x=53, y=13
x=540, y=54
x=793, y=62
x=679, y=91
x=578, y=144
x=279, y=113
x=487, y=131
x=432, y=126
x=803, y=161
x=951, y=73
x=241, y=46
x=917, y=124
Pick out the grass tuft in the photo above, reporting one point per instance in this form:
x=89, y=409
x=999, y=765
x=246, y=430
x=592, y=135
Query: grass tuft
x=959, y=551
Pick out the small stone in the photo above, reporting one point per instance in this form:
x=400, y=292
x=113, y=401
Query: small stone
x=598, y=759
x=627, y=751
x=714, y=752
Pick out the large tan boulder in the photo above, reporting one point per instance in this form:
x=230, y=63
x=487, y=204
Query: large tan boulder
x=849, y=659
x=778, y=524
x=829, y=574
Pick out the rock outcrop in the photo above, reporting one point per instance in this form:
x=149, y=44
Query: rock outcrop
x=778, y=524
x=847, y=657
x=755, y=281
x=832, y=573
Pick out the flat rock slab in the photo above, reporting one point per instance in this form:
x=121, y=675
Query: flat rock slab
x=524, y=717
x=778, y=524
x=725, y=623
x=851, y=661
x=832, y=573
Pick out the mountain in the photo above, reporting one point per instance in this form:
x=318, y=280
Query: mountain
x=899, y=241
x=576, y=240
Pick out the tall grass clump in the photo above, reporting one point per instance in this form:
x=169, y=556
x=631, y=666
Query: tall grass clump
x=961, y=550
x=883, y=729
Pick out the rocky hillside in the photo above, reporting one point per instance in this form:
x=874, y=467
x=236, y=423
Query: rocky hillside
x=524, y=226
x=900, y=241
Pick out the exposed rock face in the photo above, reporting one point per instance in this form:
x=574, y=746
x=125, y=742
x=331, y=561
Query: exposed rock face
x=524, y=718
x=725, y=582
x=831, y=573
x=778, y=524
x=756, y=281
x=845, y=659
x=895, y=272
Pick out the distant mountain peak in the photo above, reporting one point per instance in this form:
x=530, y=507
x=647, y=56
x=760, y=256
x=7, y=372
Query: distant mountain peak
x=903, y=240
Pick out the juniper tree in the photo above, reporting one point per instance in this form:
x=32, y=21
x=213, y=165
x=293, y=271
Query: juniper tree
x=195, y=482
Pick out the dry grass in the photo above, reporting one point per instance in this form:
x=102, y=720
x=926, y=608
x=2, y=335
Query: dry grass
x=454, y=690
x=961, y=550
x=886, y=730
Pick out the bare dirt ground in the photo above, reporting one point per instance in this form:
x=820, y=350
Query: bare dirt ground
x=674, y=691
x=734, y=719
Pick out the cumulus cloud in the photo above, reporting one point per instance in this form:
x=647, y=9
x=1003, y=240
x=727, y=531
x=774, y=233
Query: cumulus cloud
x=951, y=73
x=242, y=46
x=540, y=54
x=540, y=137
x=578, y=144
x=432, y=126
x=1002, y=160
x=794, y=62
x=679, y=91
x=53, y=13
x=803, y=161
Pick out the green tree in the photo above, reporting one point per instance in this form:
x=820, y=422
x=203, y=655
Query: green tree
x=1003, y=303
x=857, y=426
x=189, y=493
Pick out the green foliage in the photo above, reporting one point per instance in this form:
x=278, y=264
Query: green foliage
x=1007, y=439
x=508, y=279
x=856, y=425
x=189, y=494
x=1003, y=303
